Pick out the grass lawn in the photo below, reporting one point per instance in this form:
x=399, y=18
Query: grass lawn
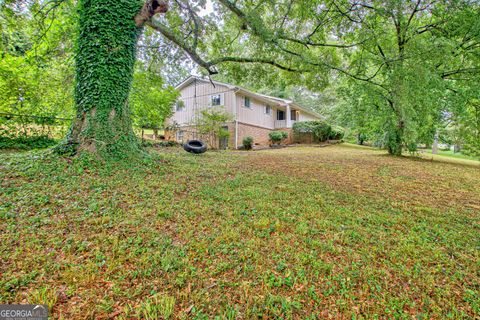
x=449, y=153
x=294, y=233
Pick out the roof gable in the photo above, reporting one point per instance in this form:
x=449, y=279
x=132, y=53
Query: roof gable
x=185, y=83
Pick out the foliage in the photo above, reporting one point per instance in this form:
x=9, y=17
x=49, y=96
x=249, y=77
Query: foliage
x=36, y=70
x=397, y=65
x=27, y=143
x=304, y=228
x=173, y=67
x=211, y=122
x=247, y=143
x=278, y=136
x=319, y=129
x=409, y=69
x=150, y=101
x=336, y=133
x=30, y=132
x=470, y=129
x=160, y=144
x=104, y=65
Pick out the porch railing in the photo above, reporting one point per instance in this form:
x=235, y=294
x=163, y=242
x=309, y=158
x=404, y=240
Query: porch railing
x=280, y=124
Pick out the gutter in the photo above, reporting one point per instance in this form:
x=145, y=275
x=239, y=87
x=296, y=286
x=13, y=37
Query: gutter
x=236, y=116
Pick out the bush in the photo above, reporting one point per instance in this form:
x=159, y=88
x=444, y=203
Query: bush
x=319, y=129
x=160, y=144
x=471, y=148
x=247, y=143
x=361, y=138
x=336, y=133
x=27, y=143
x=278, y=136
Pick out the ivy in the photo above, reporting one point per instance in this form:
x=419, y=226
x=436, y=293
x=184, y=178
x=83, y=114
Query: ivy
x=105, y=59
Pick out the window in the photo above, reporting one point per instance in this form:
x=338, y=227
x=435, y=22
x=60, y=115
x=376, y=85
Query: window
x=293, y=115
x=216, y=100
x=280, y=115
x=268, y=110
x=246, y=102
x=180, y=105
x=180, y=136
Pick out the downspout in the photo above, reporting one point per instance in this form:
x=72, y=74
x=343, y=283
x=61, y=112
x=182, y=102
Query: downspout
x=236, y=116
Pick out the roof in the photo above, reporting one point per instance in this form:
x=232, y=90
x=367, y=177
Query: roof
x=262, y=97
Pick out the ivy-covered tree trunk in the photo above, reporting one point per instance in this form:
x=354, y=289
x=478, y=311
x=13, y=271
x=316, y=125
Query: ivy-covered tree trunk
x=396, y=140
x=396, y=131
x=104, y=63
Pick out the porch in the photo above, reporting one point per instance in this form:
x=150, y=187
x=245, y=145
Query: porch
x=286, y=117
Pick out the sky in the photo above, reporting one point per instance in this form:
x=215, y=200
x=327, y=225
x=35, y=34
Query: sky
x=208, y=8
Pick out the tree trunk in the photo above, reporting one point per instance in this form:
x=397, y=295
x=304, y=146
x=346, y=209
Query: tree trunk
x=396, y=140
x=435, y=143
x=395, y=136
x=104, y=62
x=360, y=139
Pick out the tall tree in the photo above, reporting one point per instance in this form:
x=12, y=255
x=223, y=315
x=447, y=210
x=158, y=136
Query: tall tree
x=407, y=56
x=105, y=58
x=305, y=40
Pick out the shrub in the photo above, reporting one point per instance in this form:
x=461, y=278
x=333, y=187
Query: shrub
x=27, y=143
x=336, y=133
x=211, y=122
x=160, y=144
x=319, y=129
x=247, y=143
x=278, y=136
x=361, y=138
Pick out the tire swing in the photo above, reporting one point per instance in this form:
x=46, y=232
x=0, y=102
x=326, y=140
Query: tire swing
x=195, y=146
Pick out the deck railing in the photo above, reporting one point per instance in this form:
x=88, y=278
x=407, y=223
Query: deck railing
x=280, y=124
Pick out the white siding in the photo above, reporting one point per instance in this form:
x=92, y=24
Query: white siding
x=197, y=97
x=255, y=115
x=307, y=117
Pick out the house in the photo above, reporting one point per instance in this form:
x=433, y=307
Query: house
x=253, y=114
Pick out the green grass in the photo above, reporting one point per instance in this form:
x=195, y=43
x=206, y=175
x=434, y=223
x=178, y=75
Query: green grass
x=450, y=153
x=294, y=233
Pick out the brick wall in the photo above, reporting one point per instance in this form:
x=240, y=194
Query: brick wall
x=191, y=132
x=259, y=135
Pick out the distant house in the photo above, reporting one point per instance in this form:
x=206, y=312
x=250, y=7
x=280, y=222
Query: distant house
x=253, y=114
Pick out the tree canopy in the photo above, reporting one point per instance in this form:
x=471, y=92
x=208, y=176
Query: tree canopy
x=397, y=71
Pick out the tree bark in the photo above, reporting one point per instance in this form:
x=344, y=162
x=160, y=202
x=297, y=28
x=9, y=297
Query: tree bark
x=104, y=65
x=396, y=139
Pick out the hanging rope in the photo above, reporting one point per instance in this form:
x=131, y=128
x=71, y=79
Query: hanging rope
x=195, y=115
